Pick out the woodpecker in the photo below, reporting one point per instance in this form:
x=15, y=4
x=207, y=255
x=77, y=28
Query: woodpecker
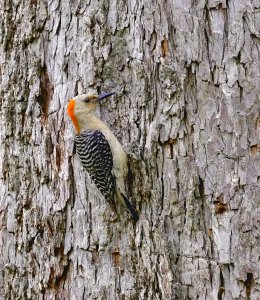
x=100, y=153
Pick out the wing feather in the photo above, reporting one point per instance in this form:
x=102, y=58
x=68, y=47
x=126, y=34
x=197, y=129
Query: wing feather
x=96, y=157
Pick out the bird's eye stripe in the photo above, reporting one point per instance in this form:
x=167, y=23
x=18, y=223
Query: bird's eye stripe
x=92, y=97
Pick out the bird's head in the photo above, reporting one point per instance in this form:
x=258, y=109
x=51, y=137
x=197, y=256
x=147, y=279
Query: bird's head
x=82, y=105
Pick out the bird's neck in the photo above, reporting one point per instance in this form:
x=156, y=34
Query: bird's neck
x=90, y=121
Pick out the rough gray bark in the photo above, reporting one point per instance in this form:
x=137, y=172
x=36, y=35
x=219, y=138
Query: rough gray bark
x=186, y=76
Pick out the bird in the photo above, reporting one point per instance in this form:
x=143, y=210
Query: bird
x=100, y=152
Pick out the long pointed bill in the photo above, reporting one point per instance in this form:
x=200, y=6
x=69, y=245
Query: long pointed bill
x=104, y=95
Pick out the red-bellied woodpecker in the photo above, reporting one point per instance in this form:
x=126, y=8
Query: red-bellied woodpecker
x=100, y=152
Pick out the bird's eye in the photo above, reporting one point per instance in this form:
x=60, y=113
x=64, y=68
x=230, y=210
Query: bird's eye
x=87, y=98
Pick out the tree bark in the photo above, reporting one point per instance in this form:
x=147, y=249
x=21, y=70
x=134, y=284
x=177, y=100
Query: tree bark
x=187, y=111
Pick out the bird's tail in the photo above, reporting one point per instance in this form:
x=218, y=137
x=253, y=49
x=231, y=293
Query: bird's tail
x=130, y=208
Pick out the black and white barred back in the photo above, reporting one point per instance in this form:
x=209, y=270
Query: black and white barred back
x=96, y=157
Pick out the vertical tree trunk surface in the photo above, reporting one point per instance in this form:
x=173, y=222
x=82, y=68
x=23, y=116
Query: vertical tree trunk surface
x=187, y=111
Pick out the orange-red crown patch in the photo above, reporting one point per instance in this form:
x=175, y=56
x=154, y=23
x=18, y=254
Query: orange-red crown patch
x=70, y=111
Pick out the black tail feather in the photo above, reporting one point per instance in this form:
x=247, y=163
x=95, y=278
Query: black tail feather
x=130, y=208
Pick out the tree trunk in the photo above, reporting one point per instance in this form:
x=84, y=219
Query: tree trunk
x=186, y=76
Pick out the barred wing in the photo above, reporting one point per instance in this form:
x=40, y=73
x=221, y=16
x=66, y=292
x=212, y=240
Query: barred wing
x=96, y=157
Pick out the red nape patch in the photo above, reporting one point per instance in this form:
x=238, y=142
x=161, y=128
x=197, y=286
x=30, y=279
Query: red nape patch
x=70, y=111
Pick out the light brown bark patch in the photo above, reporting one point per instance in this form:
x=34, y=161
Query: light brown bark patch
x=220, y=206
x=116, y=258
x=254, y=150
x=165, y=47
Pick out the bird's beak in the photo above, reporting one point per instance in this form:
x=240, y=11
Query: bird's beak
x=104, y=95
